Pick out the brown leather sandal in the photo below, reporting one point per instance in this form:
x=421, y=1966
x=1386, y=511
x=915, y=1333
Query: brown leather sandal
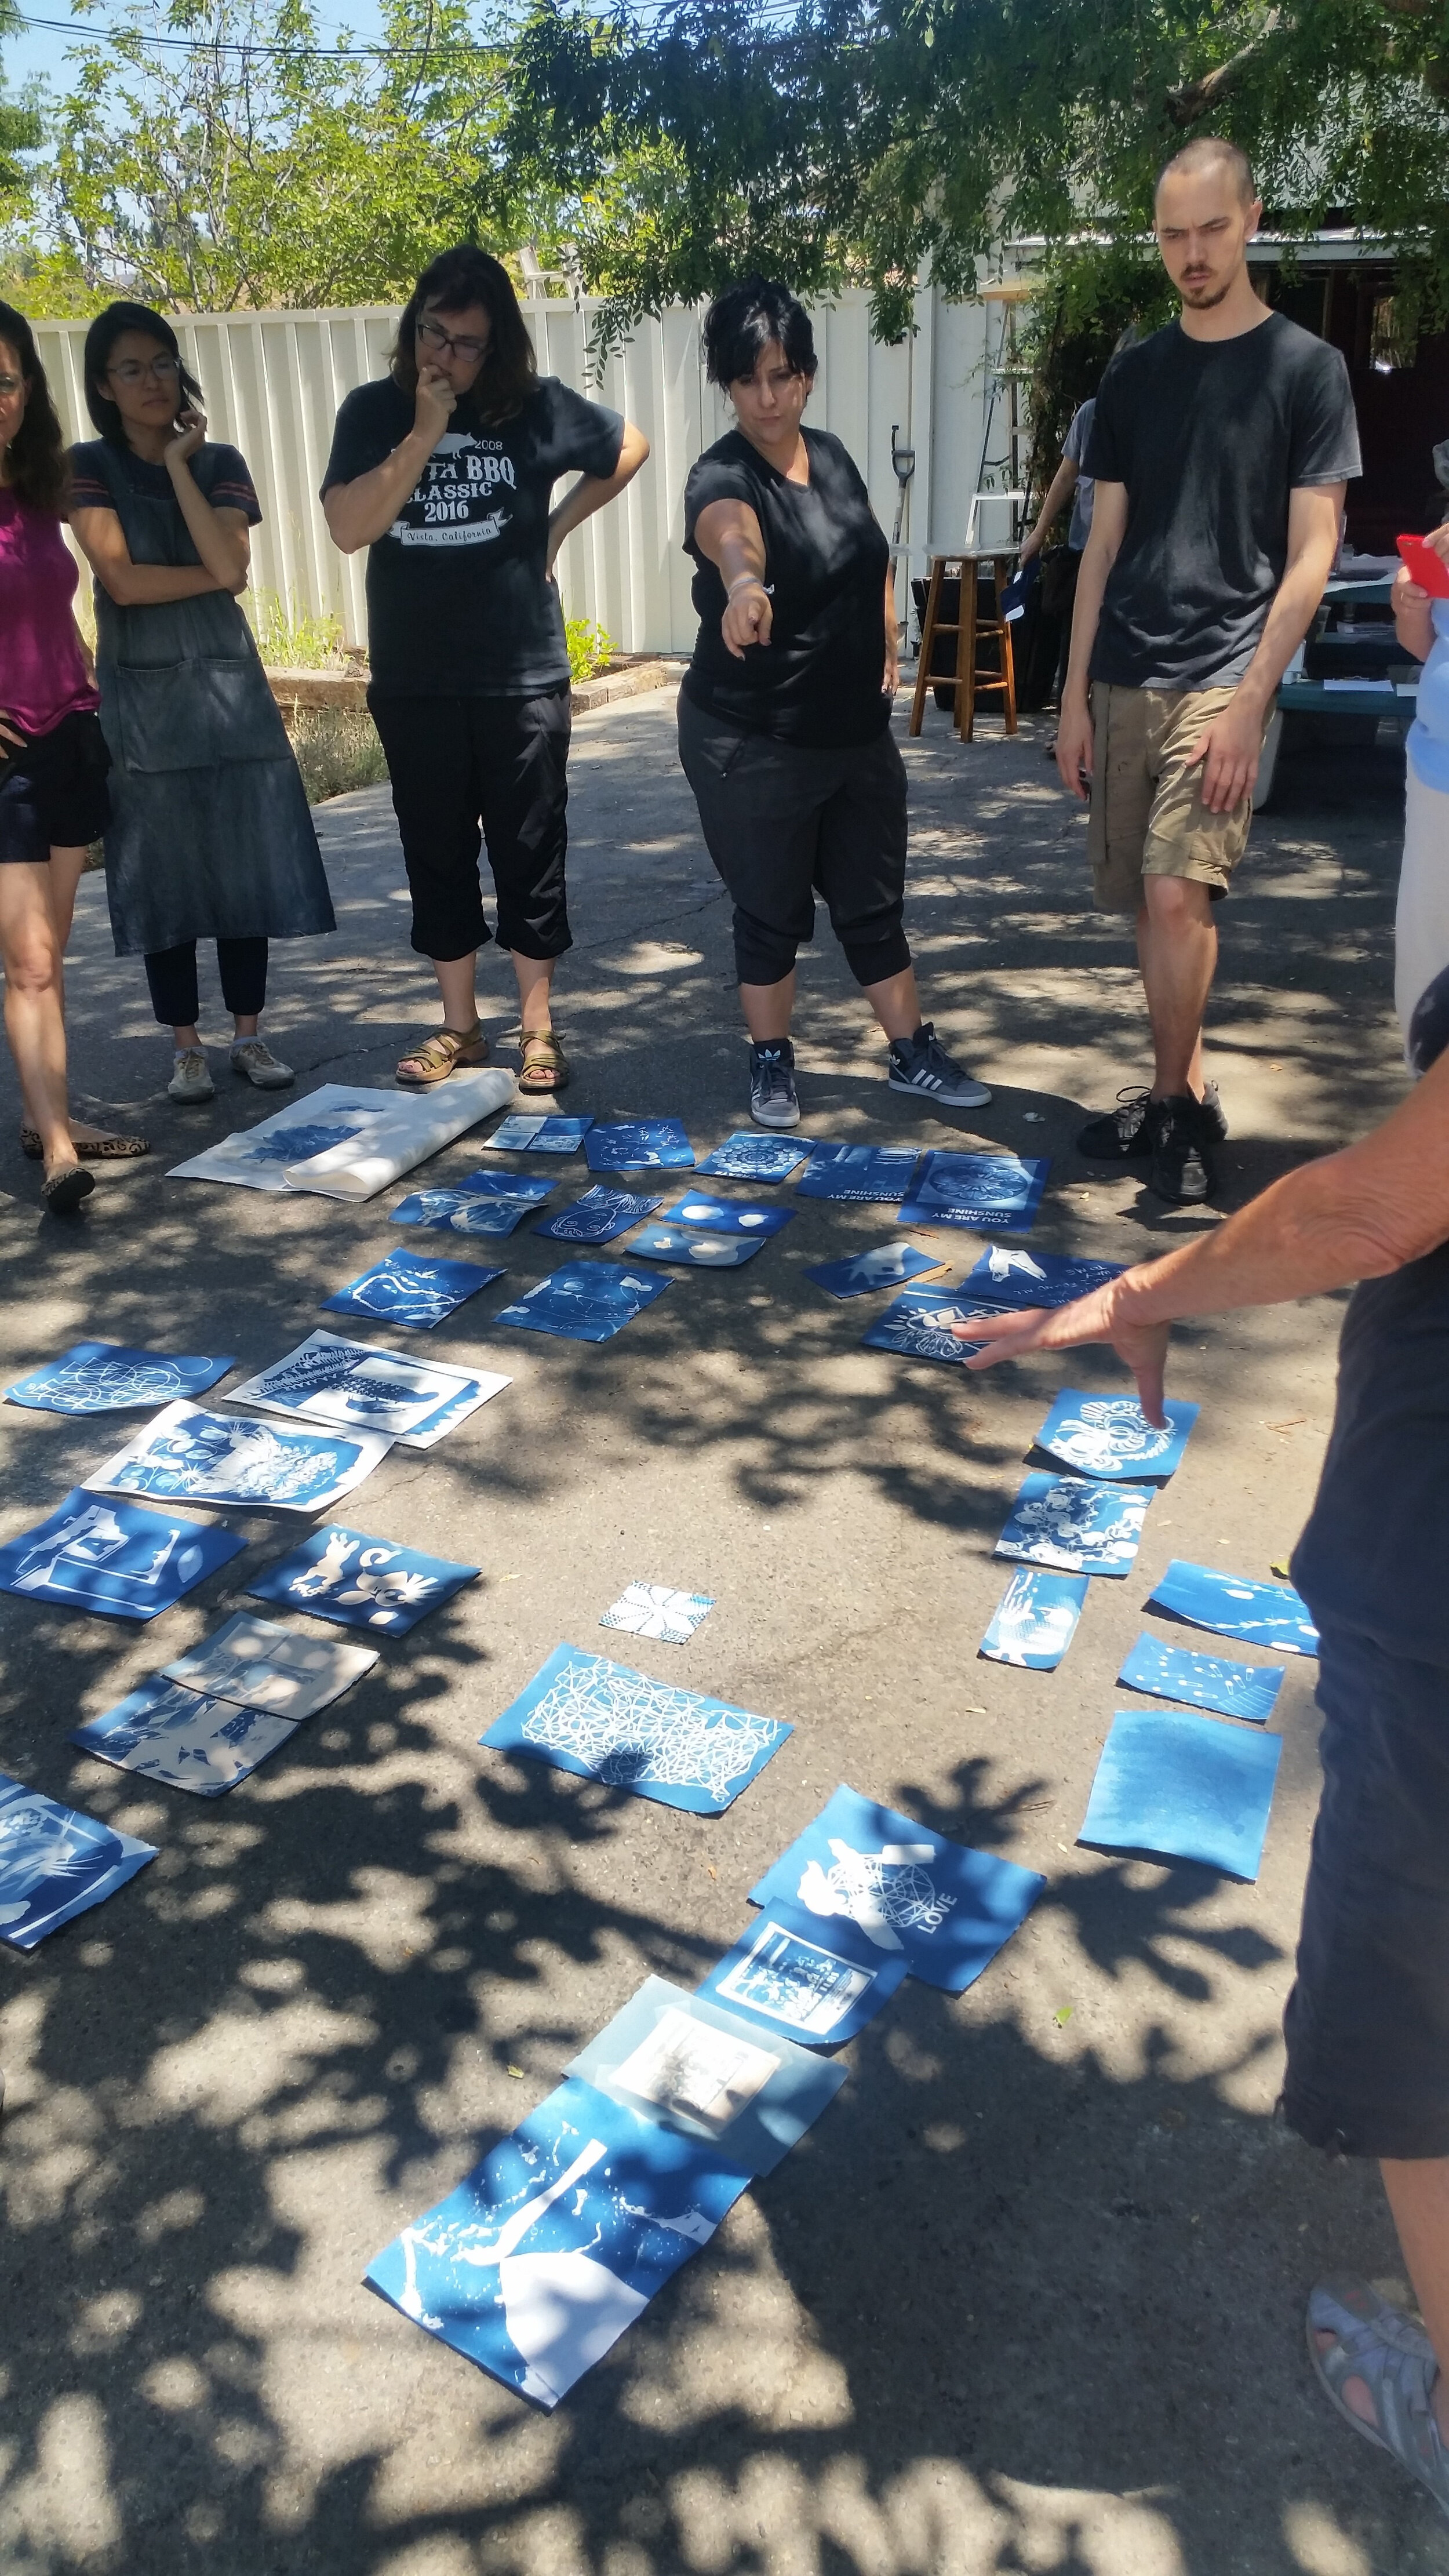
x=545, y=1067
x=443, y=1053
x=90, y=1149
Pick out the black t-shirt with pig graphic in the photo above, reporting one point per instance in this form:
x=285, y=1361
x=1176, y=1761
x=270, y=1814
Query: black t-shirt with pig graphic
x=457, y=601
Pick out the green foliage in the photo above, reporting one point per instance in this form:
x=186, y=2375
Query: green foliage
x=290, y=638
x=864, y=139
x=337, y=749
x=258, y=168
x=590, y=649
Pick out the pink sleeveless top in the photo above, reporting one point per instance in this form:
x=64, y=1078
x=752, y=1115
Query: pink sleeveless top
x=42, y=676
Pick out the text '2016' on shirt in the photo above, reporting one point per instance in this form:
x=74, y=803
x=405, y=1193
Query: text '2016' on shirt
x=458, y=600
x=819, y=681
x=1210, y=437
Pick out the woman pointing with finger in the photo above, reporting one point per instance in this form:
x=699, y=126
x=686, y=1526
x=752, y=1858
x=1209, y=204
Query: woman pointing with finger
x=785, y=711
x=445, y=472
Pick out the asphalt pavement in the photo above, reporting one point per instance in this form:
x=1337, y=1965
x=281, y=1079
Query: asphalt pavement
x=1029, y=2296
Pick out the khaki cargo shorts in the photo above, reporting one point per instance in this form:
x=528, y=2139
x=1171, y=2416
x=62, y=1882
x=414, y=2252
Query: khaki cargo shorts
x=1147, y=816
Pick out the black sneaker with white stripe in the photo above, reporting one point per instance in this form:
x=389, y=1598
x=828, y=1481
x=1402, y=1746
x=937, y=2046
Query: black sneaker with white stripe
x=773, y=1101
x=921, y=1064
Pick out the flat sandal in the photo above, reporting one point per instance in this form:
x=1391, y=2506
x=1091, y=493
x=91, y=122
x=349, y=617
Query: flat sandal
x=441, y=1054
x=93, y=1149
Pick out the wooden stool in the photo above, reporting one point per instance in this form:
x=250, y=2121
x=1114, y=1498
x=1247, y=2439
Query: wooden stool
x=970, y=682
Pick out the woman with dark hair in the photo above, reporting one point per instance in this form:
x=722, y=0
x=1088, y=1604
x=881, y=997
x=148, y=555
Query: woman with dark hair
x=445, y=472
x=785, y=710
x=211, y=835
x=53, y=764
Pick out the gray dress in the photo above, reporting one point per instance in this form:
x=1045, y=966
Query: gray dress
x=211, y=835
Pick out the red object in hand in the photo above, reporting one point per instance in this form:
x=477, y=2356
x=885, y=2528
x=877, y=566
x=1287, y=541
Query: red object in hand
x=1426, y=567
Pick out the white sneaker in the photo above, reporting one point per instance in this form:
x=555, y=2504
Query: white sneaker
x=251, y=1057
x=191, y=1078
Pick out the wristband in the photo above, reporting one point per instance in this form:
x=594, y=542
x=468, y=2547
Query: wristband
x=746, y=580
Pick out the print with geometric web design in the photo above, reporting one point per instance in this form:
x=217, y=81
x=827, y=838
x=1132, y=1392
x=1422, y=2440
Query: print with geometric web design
x=183, y=1738
x=1184, y=1787
x=327, y=1379
x=584, y=1714
x=55, y=1863
x=408, y=1288
x=1204, y=1681
x=1068, y=1521
x=1035, y=1620
x=465, y=1211
x=918, y=1327
x=109, y=1557
x=1011, y=1278
x=1262, y=1614
x=686, y=2063
x=747, y=1157
x=558, y=2240
x=597, y=1217
x=361, y=1582
x=789, y=1975
x=639, y=1145
x=946, y=1908
x=978, y=1190
x=104, y=1377
x=234, y=1458
x=585, y=1301
x=1110, y=1435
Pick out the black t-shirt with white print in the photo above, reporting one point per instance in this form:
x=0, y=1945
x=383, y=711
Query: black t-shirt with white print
x=457, y=601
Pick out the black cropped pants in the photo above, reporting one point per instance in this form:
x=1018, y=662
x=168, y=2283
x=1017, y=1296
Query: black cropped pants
x=468, y=769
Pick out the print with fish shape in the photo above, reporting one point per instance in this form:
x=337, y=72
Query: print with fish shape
x=1110, y=1435
x=1072, y=1523
x=104, y=1377
x=360, y=1582
x=789, y=1974
x=918, y=1327
x=746, y=1156
x=183, y=1738
x=237, y=1458
x=1184, y=1788
x=56, y=1863
x=1262, y=1614
x=1019, y=1279
x=327, y=1379
x=111, y=1558
x=685, y=2062
x=1203, y=1681
x=940, y=1906
x=1035, y=1619
x=979, y=1190
x=878, y=1174
x=597, y=1217
x=407, y=1288
x=691, y=1251
x=586, y=1301
x=558, y=2240
x=639, y=1145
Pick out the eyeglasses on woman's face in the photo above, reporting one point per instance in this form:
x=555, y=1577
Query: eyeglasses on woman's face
x=436, y=341
x=10, y=385
x=162, y=370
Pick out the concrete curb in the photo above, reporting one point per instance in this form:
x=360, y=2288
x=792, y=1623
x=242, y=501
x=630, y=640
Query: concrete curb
x=294, y=689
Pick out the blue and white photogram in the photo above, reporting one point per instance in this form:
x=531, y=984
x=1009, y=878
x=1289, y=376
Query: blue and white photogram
x=586, y=1301
x=682, y=2060
x=343, y=1143
x=942, y=1907
x=584, y=1714
x=1188, y=1788
x=1203, y=1681
x=360, y=1582
x=56, y=1863
x=1035, y=1619
x=1260, y=1614
x=408, y=1288
x=109, y=1557
x=534, y=1132
x=688, y=1250
x=327, y=1379
x=813, y=1985
x=652, y=1610
x=1110, y=1435
x=188, y=1456
x=918, y=1326
x=728, y=1216
x=259, y=1664
x=1011, y=1278
x=104, y=1377
x=980, y=1190
x=749, y=1156
x=1081, y=1527
x=890, y=1265
x=598, y=1216
x=878, y=1174
x=639, y=1145
x=558, y=2240
x=184, y=1739
x=468, y=1211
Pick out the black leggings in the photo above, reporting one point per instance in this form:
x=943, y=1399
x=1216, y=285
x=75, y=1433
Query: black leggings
x=171, y=974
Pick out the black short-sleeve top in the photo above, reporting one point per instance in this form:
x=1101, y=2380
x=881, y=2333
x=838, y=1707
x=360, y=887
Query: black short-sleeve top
x=458, y=601
x=820, y=680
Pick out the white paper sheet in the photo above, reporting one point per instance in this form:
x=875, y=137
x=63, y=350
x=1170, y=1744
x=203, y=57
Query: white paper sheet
x=350, y=1143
